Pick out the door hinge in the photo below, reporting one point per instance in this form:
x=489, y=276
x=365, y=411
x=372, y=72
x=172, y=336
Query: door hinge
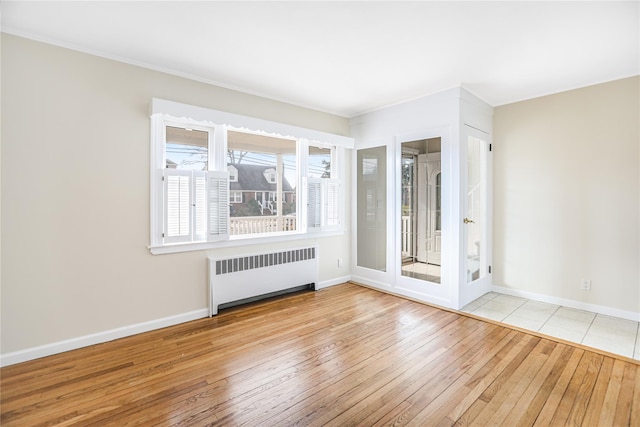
x=163, y=238
x=163, y=178
x=490, y=147
x=489, y=269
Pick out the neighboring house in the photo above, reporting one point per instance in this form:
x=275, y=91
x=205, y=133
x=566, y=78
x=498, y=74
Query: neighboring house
x=253, y=190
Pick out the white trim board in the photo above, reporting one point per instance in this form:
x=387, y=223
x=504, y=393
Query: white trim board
x=98, y=338
x=579, y=305
x=215, y=117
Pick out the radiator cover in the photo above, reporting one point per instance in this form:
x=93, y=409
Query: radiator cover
x=240, y=279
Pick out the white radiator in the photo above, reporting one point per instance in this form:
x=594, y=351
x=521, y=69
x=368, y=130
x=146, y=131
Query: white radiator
x=246, y=278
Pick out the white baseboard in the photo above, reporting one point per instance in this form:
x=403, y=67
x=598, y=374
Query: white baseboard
x=125, y=331
x=332, y=282
x=385, y=287
x=97, y=338
x=579, y=305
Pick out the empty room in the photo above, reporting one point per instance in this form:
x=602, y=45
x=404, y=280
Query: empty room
x=320, y=213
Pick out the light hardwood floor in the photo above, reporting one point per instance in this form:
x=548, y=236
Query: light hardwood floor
x=342, y=356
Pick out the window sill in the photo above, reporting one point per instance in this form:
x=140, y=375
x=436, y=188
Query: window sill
x=239, y=241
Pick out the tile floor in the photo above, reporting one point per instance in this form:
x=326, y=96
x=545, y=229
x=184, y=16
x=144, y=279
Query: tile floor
x=607, y=333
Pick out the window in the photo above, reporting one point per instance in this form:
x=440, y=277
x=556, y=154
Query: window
x=186, y=154
x=270, y=175
x=235, y=197
x=323, y=188
x=186, y=148
x=266, y=166
x=218, y=178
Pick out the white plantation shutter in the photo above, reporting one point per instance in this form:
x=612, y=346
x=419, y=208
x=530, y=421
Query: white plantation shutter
x=200, y=208
x=218, y=206
x=322, y=204
x=314, y=204
x=177, y=184
x=333, y=219
x=185, y=218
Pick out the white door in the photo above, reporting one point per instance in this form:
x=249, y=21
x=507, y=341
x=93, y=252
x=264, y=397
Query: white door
x=476, y=214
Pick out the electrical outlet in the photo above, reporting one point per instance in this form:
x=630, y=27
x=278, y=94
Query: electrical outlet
x=586, y=284
x=339, y=262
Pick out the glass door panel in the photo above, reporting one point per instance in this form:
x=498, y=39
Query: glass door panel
x=475, y=217
x=420, y=204
x=372, y=208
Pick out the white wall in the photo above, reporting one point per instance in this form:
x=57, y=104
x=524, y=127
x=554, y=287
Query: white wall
x=566, y=189
x=75, y=195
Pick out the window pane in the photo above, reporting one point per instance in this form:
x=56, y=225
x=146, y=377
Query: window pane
x=371, y=208
x=421, y=235
x=475, y=216
x=266, y=183
x=319, y=162
x=186, y=148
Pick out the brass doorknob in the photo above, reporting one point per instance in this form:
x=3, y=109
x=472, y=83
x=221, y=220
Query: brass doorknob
x=467, y=221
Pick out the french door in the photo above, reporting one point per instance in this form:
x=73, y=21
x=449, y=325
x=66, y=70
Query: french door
x=423, y=214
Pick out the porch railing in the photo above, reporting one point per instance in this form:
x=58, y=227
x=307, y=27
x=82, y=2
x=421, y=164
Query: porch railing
x=260, y=224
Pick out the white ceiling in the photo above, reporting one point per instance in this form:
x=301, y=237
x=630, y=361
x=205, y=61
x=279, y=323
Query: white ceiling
x=351, y=57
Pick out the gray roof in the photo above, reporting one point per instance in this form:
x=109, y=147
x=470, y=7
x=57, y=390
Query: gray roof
x=251, y=178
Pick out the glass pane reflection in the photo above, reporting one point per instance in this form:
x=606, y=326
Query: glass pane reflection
x=420, y=216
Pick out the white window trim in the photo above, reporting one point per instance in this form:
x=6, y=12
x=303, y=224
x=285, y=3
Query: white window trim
x=158, y=161
x=250, y=124
x=165, y=112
